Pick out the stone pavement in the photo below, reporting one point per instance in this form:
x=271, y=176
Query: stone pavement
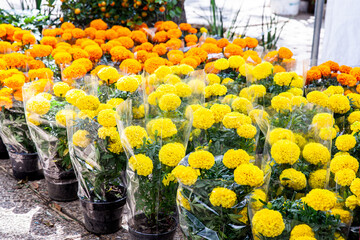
x=27, y=213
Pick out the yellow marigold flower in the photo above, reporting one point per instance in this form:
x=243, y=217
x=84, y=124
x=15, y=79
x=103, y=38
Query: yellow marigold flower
x=234, y=158
x=339, y=103
x=296, y=91
x=280, y=103
x=47, y=96
x=236, y=61
x=80, y=138
x=317, y=179
x=301, y=230
x=249, y=174
x=186, y=175
x=281, y=134
x=60, y=89
x=64, y=115
x=355, y=187
x=341, y=154
x=215, y=90
x=197, y=86
x=344, y=161
x=256, y=196
x=33, y=118
x=172, y=79
x=262, y=70
x=184, y=202
x=235, y=120
x=345, y=216
x=327, y=133
x=320, y=199
x=219, y=111
x=73, y=95
x=298, y=101
x=345, y=142
x=165, y=88
x=38, y=105
x=87, y=102
x=241, y=105
x=246, y=131
x=201, y=159
x=115, y=147
x=257, y=91
x=107, y=118
x=164, y=127
x=258, y=114
x=354, y=117
x=86, y=114
x=355, y=98
x=169, y=102
x=162, y=71
x=287, y=95
x=138, y=112
x=268, y=223
x=352, y=202
x=127, y=83
x=297, y=82
x=223, y=197
x=108, y=74
x=168, y=178
x=293, y=179
x=110, y=132
x=322, y=120
x=318, y=98
x=182, y=89
x=316, y=153
x=171, y=154
x=284, y=78
x=227, y=81
x=345, y=177
x=221, y=64
x=355, y=127
x=285, y=152
x=142, y=164
x=115, y=102
x=212, y=79
x=135, y=135
x=185, y=69
x=203, y=118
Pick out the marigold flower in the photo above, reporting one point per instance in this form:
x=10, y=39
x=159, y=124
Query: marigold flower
x=87, y=102
x=317, y=179
x=74, y=72
x=135, y=135
x=94, y=51
x=62, y=116
x=320, y=199
x=333, y=65
x=345, y=142
x=201, y=159
x=342, y=162
x=293, y=179
x=223, y=197
x=81, y=139
x=251, y=42
x=153, y=63
x=127, y=83
x=163, y=127
x=203, y=118
x=38, y=105
x=301, y=230
x=249, y=174
x=285, y=152
x=235, y=120
x=186, y=175
x=67, y=25
x=234, y=158
x=98, y=24
x=171, y=154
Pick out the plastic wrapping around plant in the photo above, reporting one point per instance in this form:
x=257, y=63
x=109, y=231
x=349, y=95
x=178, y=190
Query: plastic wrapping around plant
x=282, y=219
x=297, y=149
x=94, y=143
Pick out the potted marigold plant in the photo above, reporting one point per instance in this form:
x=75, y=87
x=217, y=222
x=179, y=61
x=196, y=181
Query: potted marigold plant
x=48, y=131
x=14, y=130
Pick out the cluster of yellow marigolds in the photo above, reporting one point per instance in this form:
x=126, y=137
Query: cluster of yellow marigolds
x=242, y=91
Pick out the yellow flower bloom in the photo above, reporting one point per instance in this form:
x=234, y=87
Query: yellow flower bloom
x=182, y=89
x=281, y=134
x=203, y=118
x=219, y=111
x=80, y=138
x=186, y=175
x=63, y=115
x=201, y=159
x=221, y=64
x=342, y=162
x=73, y=95
x=355, y=187
x=249, y=174
x=268, y=223
x=171, y=154
x=223, y=197
x=127, y=84
x=320, y=199
x=234, y=158
x=169, y=102
x=301, y=230
x=322, y=120
x=235, y=120
x=135, y=135
x=317, y=179
x=345, y=177
x=107, y=118
x=38, y=105
x=142, y=164
x=88, y=102
x=285, y=152
x=318, y=98
x=241, y=105
x=316, y=153
x=164, y=127
x=293, y=179
x=60, y=89
x=345, y=142
x=246, y=131
x=339, y=103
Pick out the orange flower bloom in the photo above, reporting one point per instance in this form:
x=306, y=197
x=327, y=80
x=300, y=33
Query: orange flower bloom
x=84, y=62
x=100, y=34
x=98, y=24
x=191, y=38
x=175, y=52
x=94, y=51
x=141, y=56
x=168, y=25
x=160, y=37
x=67, y=25
x=357, y=88
x=174, y=33
x=346, y=79
x=160, y=49
x=278, y=68
x=313, y=74
x=193, y=30
x=345, y=69
x=97, y=69
x=221, y=43
x=49, y=32
x=202, y=54
x=123, y=32
x=130, y=66
x=78, y=33
x=240, y=42
x=28, y=38
x=16, y=81
x=120, y=53
x=185, y=26
x=271, y=56
x=210, y=40
x=138, y=36
x=126, y=42
x=189, y=44
x=285, y=53
x=111, y=34
x=153, y=63
x=14, y=60
x=233, y=50
x=175, y=58
x=333, y=65
x=19, y=34
x=251, y=42
x=66, y=36
x=78, y=53
x=190, y=61
x=325, y=70
x=90, y=32
x=174, y=43
x=5, y=102
x=145, y=46
x=35, y=64
x=355, y=72
x=44, y=73
x=210, y=68
x=74, y=72
x=18, y=95
x=5, y=47
x=51, y=41
x=210, y=48
x=3, y=65
x=62, y=58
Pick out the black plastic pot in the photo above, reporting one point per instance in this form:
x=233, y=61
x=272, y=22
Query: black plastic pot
x=136, y=235
x=26, y=166
x=3, y=152
x=62, y=190
x=103, y=217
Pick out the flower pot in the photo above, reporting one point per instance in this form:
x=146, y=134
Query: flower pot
x=137, y=235
x=102, y=217
x=3, y=152
x=62, y=190
x=26, y=166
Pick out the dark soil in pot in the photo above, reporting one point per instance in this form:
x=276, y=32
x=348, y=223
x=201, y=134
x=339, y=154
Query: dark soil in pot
x=26, y=166
x=3, y=152
x=62, y=190
x=140, y=228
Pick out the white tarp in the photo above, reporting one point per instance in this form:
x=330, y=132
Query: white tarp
x=342, y=33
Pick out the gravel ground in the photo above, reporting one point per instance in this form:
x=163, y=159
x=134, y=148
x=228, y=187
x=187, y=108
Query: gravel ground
x=27, y=213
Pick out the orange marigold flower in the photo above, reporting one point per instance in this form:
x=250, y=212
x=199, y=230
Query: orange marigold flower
x=126, y=42
x=51, y=41
x=120, y=53
x=191, y=38
x=5, y=102
x=67, y=25
x=97, y=69
x=49, y=32
x=271, y=56
x=153, y=63
x=66, y=36
x=346, y=79
x=130, y=66
x=90, y=32
x=313, y=74
x=77, y=33
x=168, y=25
x=145, y=46
x=190, y=61
x=345, y=69
x=28, y=38
x=175, y=58
x=84, y=62
x=5, y=47
x=325, y=70
x=251, y=42
x=285, y=53
x=189, y=44
x=174, y=33
x=16, y=81
x=98, y=24
x=174, y=52
x=35, y=64
x=357, y=88
x=62, y=58
x=19, y=34
x=278, y=68
x=138, y=36
x=123, y=32
x=74, y=72
x=94, y=51
x=355, y=72
x=78, y=53
x=160, y=37
x=201, y=53
x=14, y=60
x=141, y=56
x=185, y=26
x=333, y=65
x=240, y=42
x=44, y=73
x=221, y=43
x=18, y=95
x=160, y=49
x=2, y=31
x=174, y=43
x=233, y=50
x=111, y=34
x=193, y=30
x=210, y=68
x=100, y=34
x=3, y=65
x=210, y=40
x=210, y=48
